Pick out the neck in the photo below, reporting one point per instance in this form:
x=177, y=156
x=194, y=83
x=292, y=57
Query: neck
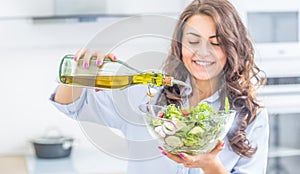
x=203, y=89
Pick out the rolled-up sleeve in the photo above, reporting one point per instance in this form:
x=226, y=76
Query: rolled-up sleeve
x=71, y=109
x=113, y=108
x=258, y=135
x=92, y=107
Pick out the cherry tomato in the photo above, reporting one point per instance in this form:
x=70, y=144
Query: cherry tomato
x=185, y=112
x=161, y=115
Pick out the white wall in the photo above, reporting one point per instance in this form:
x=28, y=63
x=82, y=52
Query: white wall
x=30, y=54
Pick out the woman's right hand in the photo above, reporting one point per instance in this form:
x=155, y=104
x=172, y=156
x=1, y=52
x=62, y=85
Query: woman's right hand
x=68, y=94
x=87, y=54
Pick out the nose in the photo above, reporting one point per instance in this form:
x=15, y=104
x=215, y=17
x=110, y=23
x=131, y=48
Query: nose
x=203, y=50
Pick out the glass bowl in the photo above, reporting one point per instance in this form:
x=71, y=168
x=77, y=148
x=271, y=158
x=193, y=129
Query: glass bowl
x=186, y=134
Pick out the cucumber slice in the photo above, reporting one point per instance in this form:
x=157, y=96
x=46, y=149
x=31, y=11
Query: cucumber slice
x=196, y=130
x=159, y=131
x=169, y=128
x=179, y=124
x=157, y=122
x=173, y=141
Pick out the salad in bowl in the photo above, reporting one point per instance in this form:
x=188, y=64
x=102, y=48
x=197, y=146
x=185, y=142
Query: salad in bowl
x=193, y=131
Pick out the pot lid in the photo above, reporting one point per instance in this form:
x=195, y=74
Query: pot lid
x=52, y=140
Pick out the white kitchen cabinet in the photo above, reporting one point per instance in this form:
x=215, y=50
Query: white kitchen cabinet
x=282, y=102
x=64, y=8
x=284, y=153
x=27, y=8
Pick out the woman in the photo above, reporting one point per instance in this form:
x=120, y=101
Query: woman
x=228, y=61
x=218, y=61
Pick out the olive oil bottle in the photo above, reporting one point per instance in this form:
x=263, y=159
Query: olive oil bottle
x=110, y=75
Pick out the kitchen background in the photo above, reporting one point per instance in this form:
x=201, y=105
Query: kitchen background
x=35, y=35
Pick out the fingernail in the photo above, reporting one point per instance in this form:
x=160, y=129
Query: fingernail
x=114, y=58
x=181, y=155
x=97, y=90
x=86, y=65
x=164, y=153
x=75, y=58
x=159, y=147
x=223, y=144
x=99, y=62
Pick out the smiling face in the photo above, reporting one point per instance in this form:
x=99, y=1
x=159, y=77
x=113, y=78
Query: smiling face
x=201, y=51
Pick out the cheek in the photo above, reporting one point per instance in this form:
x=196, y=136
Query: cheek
x=223, y=60
x=187, y=54
x=221, y=57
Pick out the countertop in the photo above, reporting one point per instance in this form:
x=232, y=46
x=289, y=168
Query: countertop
x=15, y=164
x=81, y=161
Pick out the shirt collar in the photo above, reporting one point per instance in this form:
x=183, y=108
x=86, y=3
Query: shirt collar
x=211, y=99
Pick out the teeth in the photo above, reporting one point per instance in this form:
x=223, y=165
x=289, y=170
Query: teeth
x=203, y=63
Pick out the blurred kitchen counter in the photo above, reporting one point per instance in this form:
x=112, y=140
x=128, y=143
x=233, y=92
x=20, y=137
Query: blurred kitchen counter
x=13, y=165
x=81, y=161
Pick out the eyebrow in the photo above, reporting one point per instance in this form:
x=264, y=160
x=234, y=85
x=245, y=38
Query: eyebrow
x=198, y=35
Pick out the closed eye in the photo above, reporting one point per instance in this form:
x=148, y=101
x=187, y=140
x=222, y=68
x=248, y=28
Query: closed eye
x=215, y=44
x=214, y=40
x=193, y=43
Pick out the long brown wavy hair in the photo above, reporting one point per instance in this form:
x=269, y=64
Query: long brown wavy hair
x=241, y=75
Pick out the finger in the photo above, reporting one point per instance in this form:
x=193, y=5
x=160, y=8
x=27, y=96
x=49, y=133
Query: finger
x=189, y=165
x=160, y=148
x=112, y=56
x=173, y=157
x=97, y=90
x=190, y=161
x=79, y=54
x=187, y=158
x=100, y=57
x=218, y=148
x=86, y=59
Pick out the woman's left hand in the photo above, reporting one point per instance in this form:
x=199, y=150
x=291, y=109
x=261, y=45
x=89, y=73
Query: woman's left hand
x=204, y=161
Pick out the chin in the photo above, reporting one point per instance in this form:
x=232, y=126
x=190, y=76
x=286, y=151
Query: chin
x=201, y=77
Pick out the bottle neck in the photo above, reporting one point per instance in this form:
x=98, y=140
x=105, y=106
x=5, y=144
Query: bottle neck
x=152, y=78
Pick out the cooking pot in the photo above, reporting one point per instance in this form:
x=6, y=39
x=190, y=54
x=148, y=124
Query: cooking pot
x=53, y=146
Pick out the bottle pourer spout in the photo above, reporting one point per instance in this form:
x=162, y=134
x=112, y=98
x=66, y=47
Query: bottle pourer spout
x=181, y=83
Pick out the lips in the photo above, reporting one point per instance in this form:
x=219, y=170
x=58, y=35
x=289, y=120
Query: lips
x=203, y=63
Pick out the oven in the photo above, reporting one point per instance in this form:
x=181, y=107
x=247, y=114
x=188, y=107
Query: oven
x=274, y=29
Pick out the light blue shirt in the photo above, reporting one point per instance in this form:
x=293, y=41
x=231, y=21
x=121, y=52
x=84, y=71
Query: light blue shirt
x=119, y=109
